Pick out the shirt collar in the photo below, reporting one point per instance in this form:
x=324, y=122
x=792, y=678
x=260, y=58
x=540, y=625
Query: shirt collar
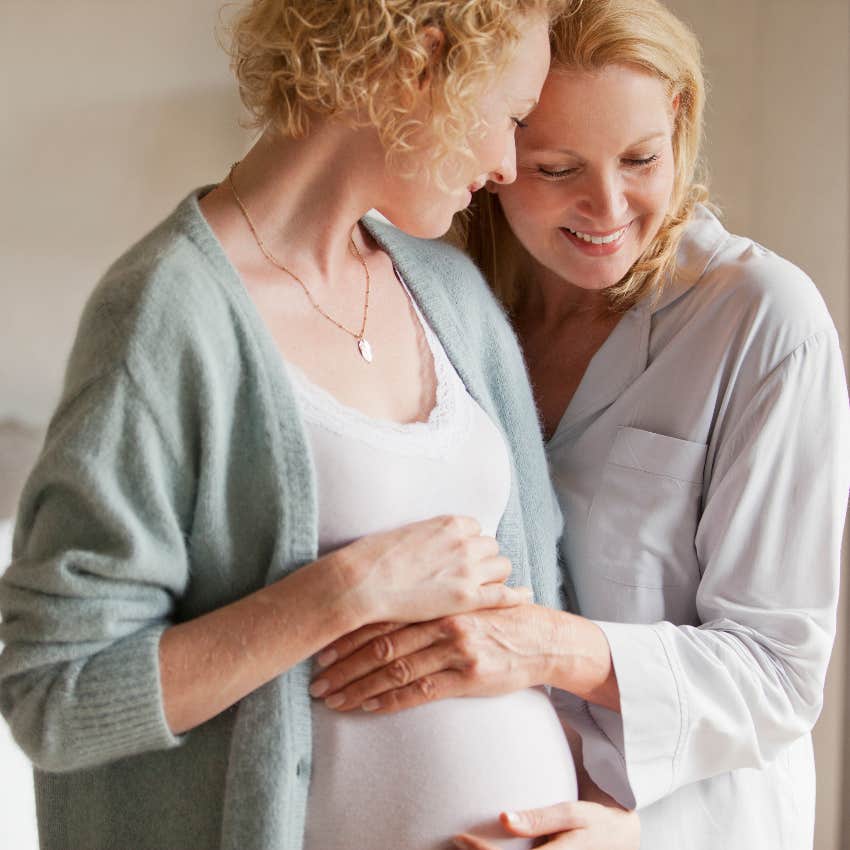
x=702, y=238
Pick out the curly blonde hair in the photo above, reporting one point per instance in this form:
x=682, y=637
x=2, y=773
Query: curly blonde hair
x=590, y=35
x=364, y=60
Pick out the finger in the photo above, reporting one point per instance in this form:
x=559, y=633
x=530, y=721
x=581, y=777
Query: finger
x=398, y=674
x=498, y=595
x=544, y=821
x=376, y=655
x=448, y=683
x=494, y=568
x=351, y=642
x=453, y=525
x=472, y=842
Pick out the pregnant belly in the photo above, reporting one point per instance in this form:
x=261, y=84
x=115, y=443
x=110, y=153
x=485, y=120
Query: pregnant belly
x=412, y=780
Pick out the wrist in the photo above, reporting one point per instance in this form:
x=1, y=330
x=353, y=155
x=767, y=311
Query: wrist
x=336, y=583
x=581, y=662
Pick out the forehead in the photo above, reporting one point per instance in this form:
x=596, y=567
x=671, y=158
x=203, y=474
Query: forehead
x=526, y=70
x=617, y=102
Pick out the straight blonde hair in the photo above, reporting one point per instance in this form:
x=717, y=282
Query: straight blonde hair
x=589, y=36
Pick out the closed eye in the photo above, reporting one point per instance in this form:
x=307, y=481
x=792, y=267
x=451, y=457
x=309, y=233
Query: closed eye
x=637, y=163
x=555, y=172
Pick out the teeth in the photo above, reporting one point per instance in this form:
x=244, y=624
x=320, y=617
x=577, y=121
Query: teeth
x=599, y=240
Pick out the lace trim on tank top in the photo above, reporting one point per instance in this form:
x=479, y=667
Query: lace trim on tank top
x=449, y=421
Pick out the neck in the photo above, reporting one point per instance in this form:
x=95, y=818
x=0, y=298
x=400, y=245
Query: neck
x=549, y=300
x=304, y=196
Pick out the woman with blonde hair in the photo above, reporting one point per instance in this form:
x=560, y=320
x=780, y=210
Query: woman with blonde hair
x=692, y=393
x=283, y=421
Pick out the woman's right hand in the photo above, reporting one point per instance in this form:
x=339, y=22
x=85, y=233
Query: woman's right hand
x=428, y=569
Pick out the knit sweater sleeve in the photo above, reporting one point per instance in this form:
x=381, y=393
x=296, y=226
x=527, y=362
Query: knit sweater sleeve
x=99, y=560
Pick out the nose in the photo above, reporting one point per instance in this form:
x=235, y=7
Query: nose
x=506, y=170
x=604, y=198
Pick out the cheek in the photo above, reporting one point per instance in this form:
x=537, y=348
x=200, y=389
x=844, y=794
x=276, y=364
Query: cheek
x=527, y=202
x=657, y=189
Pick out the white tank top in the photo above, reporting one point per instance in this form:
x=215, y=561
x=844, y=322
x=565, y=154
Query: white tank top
x=410, y=781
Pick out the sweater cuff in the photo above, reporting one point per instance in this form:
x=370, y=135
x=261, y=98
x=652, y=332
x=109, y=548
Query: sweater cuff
x=118, y=710
x=648, y=730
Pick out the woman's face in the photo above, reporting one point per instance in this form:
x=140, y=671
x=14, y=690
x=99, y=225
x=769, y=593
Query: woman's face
x=418, y=205
x=595, y=173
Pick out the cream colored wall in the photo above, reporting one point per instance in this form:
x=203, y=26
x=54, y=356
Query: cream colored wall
x=112, y=111
x=778, y=129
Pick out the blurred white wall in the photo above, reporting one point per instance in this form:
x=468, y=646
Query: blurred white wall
x=112, y=111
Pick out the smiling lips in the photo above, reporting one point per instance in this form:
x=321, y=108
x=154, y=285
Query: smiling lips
x=596, y=244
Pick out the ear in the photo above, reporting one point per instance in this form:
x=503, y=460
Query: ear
x=434, y=41
x=675, y=103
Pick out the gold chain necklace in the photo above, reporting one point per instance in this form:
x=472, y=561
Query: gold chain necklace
x=363, y=345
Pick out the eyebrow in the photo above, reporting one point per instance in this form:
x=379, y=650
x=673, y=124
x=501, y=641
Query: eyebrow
x=650, y=137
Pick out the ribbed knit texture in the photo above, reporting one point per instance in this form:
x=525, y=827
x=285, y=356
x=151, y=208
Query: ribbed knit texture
x=175, y=478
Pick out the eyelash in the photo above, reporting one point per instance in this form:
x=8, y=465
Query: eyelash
x=631, y=163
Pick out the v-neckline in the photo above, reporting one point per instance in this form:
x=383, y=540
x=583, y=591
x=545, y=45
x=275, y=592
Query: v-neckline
x=620, y=359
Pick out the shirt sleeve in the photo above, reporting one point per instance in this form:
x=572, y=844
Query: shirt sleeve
x=98, y=561
x=731, y=693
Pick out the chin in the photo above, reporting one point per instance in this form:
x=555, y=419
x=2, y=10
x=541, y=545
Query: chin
x=427, y=222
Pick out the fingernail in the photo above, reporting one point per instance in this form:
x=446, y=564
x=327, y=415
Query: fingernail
x=335, y=701
x=326, y=658
x=319, y=687
x=512, y=818
x=371, y=705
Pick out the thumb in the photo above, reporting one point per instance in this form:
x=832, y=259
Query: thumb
x=561, y=817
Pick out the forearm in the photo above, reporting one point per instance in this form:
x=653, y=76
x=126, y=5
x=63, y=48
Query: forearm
x=577, y=658
x=210, y=663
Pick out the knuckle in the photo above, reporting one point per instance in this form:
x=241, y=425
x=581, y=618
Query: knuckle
x=400, y=671
x=471, y=666
x=464, y=596
x=383, y=649
x=453, y=525
x=426, y=688
x=536, y=819
x=458, y=627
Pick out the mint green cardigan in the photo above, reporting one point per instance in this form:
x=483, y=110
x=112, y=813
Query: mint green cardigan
x=174, y=479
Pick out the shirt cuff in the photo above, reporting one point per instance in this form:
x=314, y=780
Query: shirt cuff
x=649, y=729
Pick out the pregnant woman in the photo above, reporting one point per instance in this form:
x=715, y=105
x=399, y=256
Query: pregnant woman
x=281, y=422
x=693, y=397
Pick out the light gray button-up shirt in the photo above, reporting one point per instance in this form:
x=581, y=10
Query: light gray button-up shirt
x=702, y=468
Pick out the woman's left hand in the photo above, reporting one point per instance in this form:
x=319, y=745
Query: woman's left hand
x=568, y=826
x=386, y=667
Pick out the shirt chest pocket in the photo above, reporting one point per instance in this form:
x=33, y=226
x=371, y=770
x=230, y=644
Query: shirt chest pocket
x=642, y=524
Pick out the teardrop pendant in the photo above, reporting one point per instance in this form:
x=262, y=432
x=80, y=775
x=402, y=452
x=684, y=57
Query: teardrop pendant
x=365, y=349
